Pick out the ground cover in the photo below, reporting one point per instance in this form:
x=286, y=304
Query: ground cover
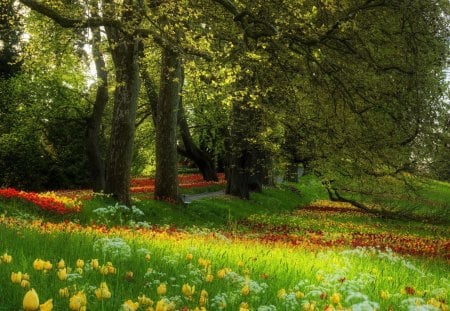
x=284, y=249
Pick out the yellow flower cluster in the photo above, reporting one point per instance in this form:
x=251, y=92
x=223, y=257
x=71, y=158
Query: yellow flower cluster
x=68, y=202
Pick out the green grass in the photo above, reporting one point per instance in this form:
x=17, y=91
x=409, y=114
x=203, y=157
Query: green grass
x=230, y=233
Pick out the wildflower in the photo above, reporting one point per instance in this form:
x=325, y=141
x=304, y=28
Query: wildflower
x=31, y=301
x=129, y=305
x=148, y=257
x=145, y=301
x=204, y=262
x=245, y=290
x=94, y=263
x=281, y=294
x=203, y=298
x=161, y=305
x=189, y=257
x=309, y=306
x=16, y=278
x=5, y=258
x=299, y=295
x=110, y=267
x=79, y=263
x=335, y=298
x=78, y=301
x=64, y=292
x=25, y=283
x=188, y=290
x=25, y=276
x=221, y=273
x=61, y=264
x=244, y=306
x=162, y=289
x=79, y=270
x=129, y=275
x=103, y=270
x=47, y=306
x=38, y=264
x=47, y=265
x=102, y=292
x=62, y=274
x=410, y=290
x=384, y=294
x=328, y=308
x=209, y=278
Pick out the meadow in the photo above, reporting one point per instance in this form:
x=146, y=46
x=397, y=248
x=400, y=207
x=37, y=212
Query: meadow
x=288, y=248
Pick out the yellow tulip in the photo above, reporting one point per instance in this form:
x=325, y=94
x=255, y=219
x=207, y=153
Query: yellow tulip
x=94, y=263
x=62, y=274
x=5, y=258
x=145, y=301
x=78, y=302
x=129, y=305
x=38, y=264
x=47, y=306
x=189, y=256
x=221, y=273
x=245, y=290
x=25, y=276
x=47, y=265
x=80, y=263
x=335, y=298
x=188, y=290
x=162, y=289
x=64, y=292
x=244, y=306
x=25, y=283
x=161, y=305
x=281, y=293
x=209, y=278
x=103, y=292
x=61, y=264
x=16, y=278
x=31, y=301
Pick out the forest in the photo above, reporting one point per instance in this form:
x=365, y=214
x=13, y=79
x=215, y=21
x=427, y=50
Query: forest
x=224, y=154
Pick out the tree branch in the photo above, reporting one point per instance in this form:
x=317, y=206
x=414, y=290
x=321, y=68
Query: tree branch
x=68, y=22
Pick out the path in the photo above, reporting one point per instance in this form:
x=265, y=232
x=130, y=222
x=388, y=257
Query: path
x=188, y=198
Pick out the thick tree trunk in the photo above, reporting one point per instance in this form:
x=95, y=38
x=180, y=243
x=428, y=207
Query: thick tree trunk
x=166, y=181
x=124, y=52
x=93, y=150
x=202, y=160
x=245, y=172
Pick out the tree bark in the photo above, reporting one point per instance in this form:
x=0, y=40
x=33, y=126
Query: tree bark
x=166, y=180
x=124, y=50
x=202, y=159
x=93, y=150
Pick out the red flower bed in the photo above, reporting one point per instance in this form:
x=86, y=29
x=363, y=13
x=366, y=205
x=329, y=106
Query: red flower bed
x=44, y=203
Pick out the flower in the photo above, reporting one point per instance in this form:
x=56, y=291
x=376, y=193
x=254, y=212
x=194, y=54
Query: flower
x=145, y=301
x=162, y=289
x=62, y=274
x=161, y=305
x=25, y=283
x=148, y=257
x=129, y=305
x=38, y=264
x=203, y=298
x=16, y=278
x=47, y=306
x=299, y=295
x=281, y=293
x=384, y=294
x=188, y=290
x=94, y=263
x=61, y=264
x=209, y=278
x=244, y=306
x=335, y=298
x=47, y=265
x=31, y=301
x=245, y=290
x=78, y=301
x=5, y=258
x=64, y=292
x=189, y=257
x=129, y=275
x=309, y=306
x=103, y=291
x=79, y=263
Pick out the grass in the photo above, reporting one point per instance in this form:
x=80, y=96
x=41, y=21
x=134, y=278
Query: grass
x=284, y=249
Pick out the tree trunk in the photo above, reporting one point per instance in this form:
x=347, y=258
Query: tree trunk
x=166, y=181
x=124, y=52
x=94, y=122
x=244, y=172
x=202, y=159
x=292, y=172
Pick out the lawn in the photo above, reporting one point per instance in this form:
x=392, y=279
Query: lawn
x=283, y=249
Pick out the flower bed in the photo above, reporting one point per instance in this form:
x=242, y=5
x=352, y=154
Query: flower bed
x=50, y=201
